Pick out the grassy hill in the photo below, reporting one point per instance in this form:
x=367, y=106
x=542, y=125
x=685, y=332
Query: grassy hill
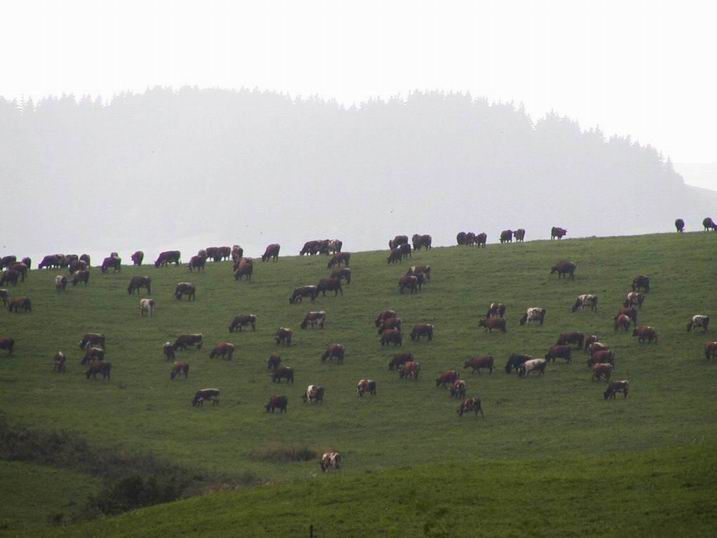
x=559, y=416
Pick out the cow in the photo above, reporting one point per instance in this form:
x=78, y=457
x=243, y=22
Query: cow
x=645, y=333
x=197, y=262
x=559, y=352
x=329, y=284
x=634, y=298
x=481, y=239
x=241, y=321
x=4, y=296
x=137, y=257
x=225, y=350
x=421, y=241
x=147, y=306
x=7, y=344
x=58, y=362
x=92, y=340
x=20, y=269
x=183, y=341
x=622, y=321
x=185, y=288
x=222, y=253
x=20, y=304
x=138, y=282
x=398, y=241
x=557, y=233
x=91, y=354
x=50, y=262
x=390, y=323
x=111, y=262
x=283, y=336
x=574, y=338
x=335, y=245
x=679, y=225
x=458, y=389
x=236, y=253
x=277, y=402
x=99, y=367
x=273, y=362
x=710, y=350
x=76, y=265
x=205, y=394
x=245, y=268
x=310, y=248
x=394, y=256
x=708, y=224
x=447, y=378
x=471, y=404
x=271, y=253
x=476, y=363
x=495, y=310
x=601, y=371
x=565, y=269
x=179, y=368
x=169, y=351
x=314, y=318
x=383, y=316
x=81, y=276
x=641, y=282
x=590, y=340
x=334, y=351
x=422, y=329
x=342, y=274
x=167, y=257
x=7, y=261
x=584, y=301
x=506, y=236
x=398, y=360
x=416, y=270
x=461, y=238
x=391, y=336
x=330, y=460
x=405, y=250
x=629, y=311
x=83, y=257
x=366, y=386
x=9, y=277
x=409, y=282
x=339, y=259
x=596, y=346
x=313, y=394
x=282, y=372
x=519, y=235
x=210, y=252
x=304, y=291
x=603, y=356
x=492, y=323
x=615, y=387
x=515, y=361
x=60, y=282
x=698, y=321
x=533, y=314
x=409, y=370
x=532, y=366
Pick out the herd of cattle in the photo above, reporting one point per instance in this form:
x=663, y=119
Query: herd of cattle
x=600, y=359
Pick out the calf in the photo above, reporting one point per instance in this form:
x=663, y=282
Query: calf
x=366, y=386
x=559, y=352
x=533, y=314
x=205, y=394
x=277, y=402
x=698, y=321
x=615, y=387
x=225, y=350
x=422, y=329
x=245, y=268
x=242, y=321
x=471, y=404
x=476, y=363
x=492, y=323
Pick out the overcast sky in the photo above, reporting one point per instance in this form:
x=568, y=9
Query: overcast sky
x=643, y=68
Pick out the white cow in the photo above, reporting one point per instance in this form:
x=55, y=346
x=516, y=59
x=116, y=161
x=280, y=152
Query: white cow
x=586, y=301
x=533, y=314
x=60, y=282
x=146, y=306
x=534, y=365
x=698, y=321
x=330, y=460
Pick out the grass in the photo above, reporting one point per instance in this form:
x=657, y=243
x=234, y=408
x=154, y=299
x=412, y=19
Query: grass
x=559, y=415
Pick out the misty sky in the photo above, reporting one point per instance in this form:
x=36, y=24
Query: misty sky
x=643, y=68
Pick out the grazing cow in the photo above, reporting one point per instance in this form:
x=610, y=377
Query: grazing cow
x=506, y=236
x=335, y=245
x=515, y=361
x=58, y=363
x=244, y=269
x=93, y=353
x=274, y=362
x=20, y=269
x=603, y=356
x=329, y=284
x=166, y=257
x=4, y=296
x=92, y=340
x=391, y=336
x=481, y=240
x=383, y=316
x=223, y=253
x=634, y=298
x=20, y=303
x=225, y=350
x=366, y=386
x=645, y=333
x=615, y=387
x=169, y=351
x=314, y=318
x=574, y=338
x=602, y=371
x=622, y=321
x=584, y=301
x=476, y=363
x=641, y=282
x=408, y=281
x=313, y=394
x=310, y=248
x=241, y=321
x=282, y=372
x=398, y=360
x=409, y=370
x=447, y=378
x=421, y=241
x=398, y=241
x=7, y=261
x=271, y=253
x=138, y=282
x=283, y=336
x=698, y=321
x=8, y=344
x=458, y=389
x=60, y=282
x=342, y=273
x=9, y=277
x=304, y=291
x=185, y=288
x=492, y=323
x=394, y=256
x=405, y=250
x=81, y=276
x=461, y=238
x=422, y=329
x=334, y=351
x=197, y=262
x=533, y=314
x=51, y=261
x=590, y=340
x=390, y=323
x=471, y=404
x=277, y=402
x=205, y=394
x=564, y=269
x=99, y=367
x=339, y=259
x=532, y=366
x=519, y=235
x=76, y=265
x=210, y=252
x=424, y=270
x=709, y=224
x=330, y=460
x=495, y=310
x=559, y=352
x=629, y=311
x=236, y=253
x=680, y=225
x=710, y=350
x=557, y=232
x=596, y=346
x=179, y=368
x=184, y=341
x=137, y=258
x=147, y=306
x=111, y=262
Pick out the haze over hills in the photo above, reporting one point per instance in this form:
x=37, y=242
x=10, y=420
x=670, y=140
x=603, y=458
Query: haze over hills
x=191, y=168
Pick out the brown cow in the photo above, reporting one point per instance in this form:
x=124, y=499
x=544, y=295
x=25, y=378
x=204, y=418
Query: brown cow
x=197, y=262
x=236, y=253
x=604, y=356
x=283, y=336
x=179, y=368
x=492, y=323
x=574, y=338
x=447, y=378
x=557, y=233
x=559, y=352
x=710, y=350
x=383, y=316
x=271, y=253
x=241, y=321
x=564, y=269
x=394, y=256
x=391, y=336
x=421, y=241
x=10, y=277
x=20, y=303
x=399, y=359
x=458, y=389
x=408, y=281
x=645, y=333
x=397, y=241
x=409, y=370
x=20, y=269
x=622, y=321
x=422, y=329
x=137, y=257
x=312, y=319
x=519, y=235
x=137, y=282
x=424, y=270
x=245, y=268
x=277, y=402
x=99, y=367
x=471, y=404
x=629, y=311
x=225, y=350
x=334, y=351
x=366, y=386
x=476, y=363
